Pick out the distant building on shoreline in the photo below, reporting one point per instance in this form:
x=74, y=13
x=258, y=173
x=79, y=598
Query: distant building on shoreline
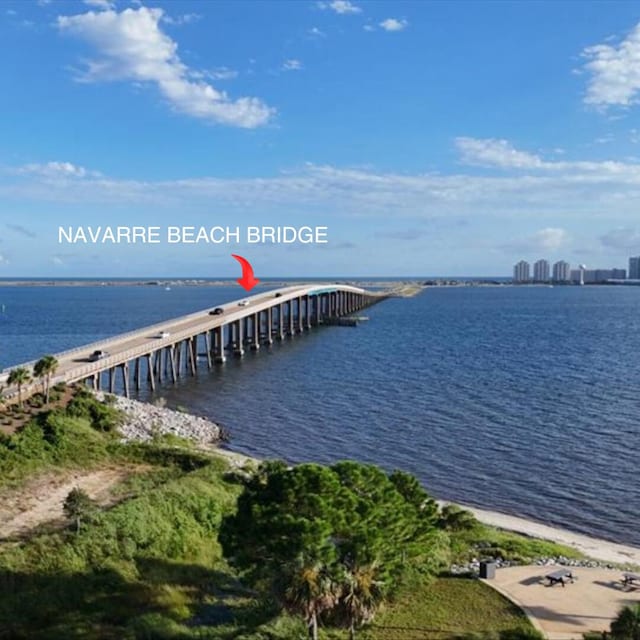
x=521, y=272
x=541, y=271
x=561, y=272
x=634, y=268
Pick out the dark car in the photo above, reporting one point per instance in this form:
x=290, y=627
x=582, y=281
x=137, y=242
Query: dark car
x=278, y=294
x=216, y=312
x=98, y=355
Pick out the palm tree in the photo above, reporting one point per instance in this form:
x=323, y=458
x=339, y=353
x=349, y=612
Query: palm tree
x=627, y=625
x=362, y=594
x=309, y=592
x=44, y=369
x=19, y=377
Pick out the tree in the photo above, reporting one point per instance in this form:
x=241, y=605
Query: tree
x=44, y=369
x=361, y=595
x=78, y=506
x=328, y=542
x=308, y=591
x=626, y=626
x=19, y=376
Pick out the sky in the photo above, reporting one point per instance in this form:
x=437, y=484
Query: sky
x=431, y=139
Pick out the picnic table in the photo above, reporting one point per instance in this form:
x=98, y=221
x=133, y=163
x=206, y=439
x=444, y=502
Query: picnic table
x=631, y=579
x=561, y=576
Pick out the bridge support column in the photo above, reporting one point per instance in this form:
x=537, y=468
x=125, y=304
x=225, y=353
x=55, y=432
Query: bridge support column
x=238, y=342
x=307, y=312
x=269, y=332
x=150, y=368
x=158, y=363
x=171, y=353
x=280, y=332
x=255, y=334
x=218, y=341
x=125, y=378
x=191, y=355
x=207, y=342
x=291, y=330
x=299, y=319
x=112, y=380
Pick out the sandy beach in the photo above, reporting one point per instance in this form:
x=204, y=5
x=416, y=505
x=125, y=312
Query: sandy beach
x=595, y=548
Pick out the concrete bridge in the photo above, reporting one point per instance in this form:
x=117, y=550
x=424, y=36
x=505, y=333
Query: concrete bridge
x=168, y=350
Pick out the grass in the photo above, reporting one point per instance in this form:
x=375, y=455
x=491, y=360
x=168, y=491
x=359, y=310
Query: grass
x=482, y=541
x=150, y=567
x=447, y=606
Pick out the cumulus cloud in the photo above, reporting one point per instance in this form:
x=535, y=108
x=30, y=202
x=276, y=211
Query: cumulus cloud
x=131, y=46
x=393, y=24
x=614, y=72
x=340, y=6
x=292, y=65
x=3, y=260
x=317, y=33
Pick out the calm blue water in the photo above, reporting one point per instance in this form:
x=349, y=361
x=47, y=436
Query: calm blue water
x=524, y=400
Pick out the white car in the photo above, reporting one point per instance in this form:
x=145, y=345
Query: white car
x=164, y=334
x=243, y=303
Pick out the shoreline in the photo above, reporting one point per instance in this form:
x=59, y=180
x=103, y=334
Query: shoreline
x=147, y=420
x=595, y=548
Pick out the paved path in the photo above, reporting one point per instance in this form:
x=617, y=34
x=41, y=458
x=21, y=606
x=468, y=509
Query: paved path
x=589, y=604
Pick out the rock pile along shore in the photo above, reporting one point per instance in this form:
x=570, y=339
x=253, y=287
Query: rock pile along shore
x=144, y=421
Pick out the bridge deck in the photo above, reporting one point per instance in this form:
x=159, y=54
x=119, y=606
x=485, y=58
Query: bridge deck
x=74, y=364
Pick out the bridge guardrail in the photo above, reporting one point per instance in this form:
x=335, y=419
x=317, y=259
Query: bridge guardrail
x=115, y=360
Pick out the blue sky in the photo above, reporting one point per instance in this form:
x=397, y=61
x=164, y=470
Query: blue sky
x=430, y=138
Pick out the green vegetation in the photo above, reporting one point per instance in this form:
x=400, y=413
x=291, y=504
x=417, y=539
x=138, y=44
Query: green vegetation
x=348, y=542
x=44, y=369
x=19, y=377
x=626, y=626
x=472, y=539
x=332, y=542
x=456, y=606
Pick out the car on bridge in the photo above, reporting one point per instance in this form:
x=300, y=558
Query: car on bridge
x=218, y=311
x=243, y=303
x=164, y=334
x=98, y=354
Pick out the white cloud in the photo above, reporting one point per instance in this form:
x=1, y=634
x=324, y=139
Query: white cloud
x=318, y=33
x=131, y=46
x=220, y=73
x=185, y=18
x=369, y=27
x=292, y=65
x=3, y=259
x=54, y=170
x=393, y=24
x=614, y=72
x=490, y=152
x=501, y=154
x=103, y=5
x=340, y=6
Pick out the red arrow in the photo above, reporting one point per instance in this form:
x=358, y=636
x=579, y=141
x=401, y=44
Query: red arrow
x=247, y=282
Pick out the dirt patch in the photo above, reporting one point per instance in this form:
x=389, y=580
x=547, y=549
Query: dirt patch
x=40, y=500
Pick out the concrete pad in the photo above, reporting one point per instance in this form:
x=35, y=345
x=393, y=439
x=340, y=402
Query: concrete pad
x=589, y=604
